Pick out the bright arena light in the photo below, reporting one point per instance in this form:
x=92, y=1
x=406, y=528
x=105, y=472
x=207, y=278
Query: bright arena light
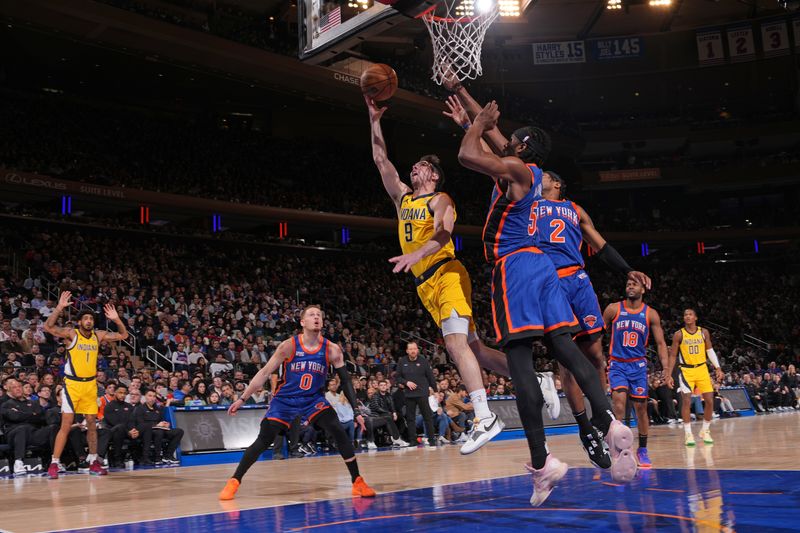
x=614, y=4
x=508, y=8
x=483, y=6
x=661, y=3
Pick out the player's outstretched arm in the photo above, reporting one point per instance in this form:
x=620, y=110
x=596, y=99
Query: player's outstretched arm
x=474, y=157
x=661, y=344
x=494, y=137
x=607, y=253
x=112, y=336
x=50, y=325
x=282, y=353
x=677, y=338
x=444, y=220
x=389, y=175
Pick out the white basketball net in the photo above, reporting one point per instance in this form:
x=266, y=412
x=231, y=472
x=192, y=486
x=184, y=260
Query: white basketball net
x=457, y=39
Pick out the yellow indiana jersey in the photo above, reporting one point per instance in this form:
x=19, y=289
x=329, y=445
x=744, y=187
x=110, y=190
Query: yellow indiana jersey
x=415, y=228
x=693, y=347
x=82, y=356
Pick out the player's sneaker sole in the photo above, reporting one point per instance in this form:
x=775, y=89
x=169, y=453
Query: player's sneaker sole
x=482, y=432
x=623, y=461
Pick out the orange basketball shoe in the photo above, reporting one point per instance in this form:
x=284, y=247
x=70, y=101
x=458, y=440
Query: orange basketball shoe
x=230, y=489
x=360, y=488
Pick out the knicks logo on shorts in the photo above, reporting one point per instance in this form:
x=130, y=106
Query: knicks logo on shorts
x=640, y=390
x=320, y=406
x=590, y=320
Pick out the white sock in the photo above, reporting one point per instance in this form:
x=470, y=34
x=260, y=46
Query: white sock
x=479, y=403
x=92, y=457
x=706, y=425
x=55, y=461
x=687, y=428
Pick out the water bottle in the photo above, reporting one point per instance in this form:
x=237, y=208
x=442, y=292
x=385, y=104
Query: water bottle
x=129, y=464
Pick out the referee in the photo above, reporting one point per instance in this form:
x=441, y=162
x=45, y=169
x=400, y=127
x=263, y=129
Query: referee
x=415, y=372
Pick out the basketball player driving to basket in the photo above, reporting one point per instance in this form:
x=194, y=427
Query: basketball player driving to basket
x=426, y=218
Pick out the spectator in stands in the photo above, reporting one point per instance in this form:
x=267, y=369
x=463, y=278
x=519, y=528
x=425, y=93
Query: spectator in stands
x=457, y=409
x=344, y=411
x=150, y=421
x=383, y=413
x=21, y=322
x=180, y=359
x=23, y=424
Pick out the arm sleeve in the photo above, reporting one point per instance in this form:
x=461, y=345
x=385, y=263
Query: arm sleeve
x=712, y=356
x=611, y=257
x=347, y=386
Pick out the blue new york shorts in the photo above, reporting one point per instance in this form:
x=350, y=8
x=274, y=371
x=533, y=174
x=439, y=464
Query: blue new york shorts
x=527, y=299
x=583, y=300
x=630, y=377
x=284, y=410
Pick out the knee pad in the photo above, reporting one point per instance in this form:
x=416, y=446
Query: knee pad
x=455, y=324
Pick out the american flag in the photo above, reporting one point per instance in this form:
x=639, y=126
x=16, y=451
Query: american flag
x=331, y=19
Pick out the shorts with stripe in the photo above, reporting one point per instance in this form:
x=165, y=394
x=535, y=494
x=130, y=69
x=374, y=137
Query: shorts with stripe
x=630, y=377
x=583, y=300
x=527, y=299
x=694, y=379
x=284, y=410
x=79, y=397
x=448, y=290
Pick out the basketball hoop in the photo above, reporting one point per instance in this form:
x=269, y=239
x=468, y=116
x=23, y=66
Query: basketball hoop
x=457, y=34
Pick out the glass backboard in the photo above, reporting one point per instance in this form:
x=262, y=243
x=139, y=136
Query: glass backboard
x=328, y=28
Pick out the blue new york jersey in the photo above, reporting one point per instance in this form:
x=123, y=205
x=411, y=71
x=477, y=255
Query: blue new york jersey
x=511, y=226
x=630, y=332
x=304, y=374
x=558, y=225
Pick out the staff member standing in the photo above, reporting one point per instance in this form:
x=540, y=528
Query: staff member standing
x=416, y=374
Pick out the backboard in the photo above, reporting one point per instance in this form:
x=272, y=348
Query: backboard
x=328, y=28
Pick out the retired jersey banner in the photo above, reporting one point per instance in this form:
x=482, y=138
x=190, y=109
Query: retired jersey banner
x=709, y=48
x=617, y=48
x=775, y=38
x=741, y=46
x=559, y=53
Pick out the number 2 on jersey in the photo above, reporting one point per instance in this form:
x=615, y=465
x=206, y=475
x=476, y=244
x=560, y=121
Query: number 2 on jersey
x=409, y=231
x=555, y=235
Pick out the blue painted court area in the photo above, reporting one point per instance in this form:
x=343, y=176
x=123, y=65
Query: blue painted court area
x=658, y=500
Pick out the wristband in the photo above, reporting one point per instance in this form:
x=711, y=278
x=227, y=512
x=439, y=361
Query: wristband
x=466, y=126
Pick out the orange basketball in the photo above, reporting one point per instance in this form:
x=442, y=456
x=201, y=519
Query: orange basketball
x=379, y=82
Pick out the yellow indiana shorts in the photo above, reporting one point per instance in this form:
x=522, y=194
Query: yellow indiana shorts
x=79, y=397
x=691, y=379
x=448, y=289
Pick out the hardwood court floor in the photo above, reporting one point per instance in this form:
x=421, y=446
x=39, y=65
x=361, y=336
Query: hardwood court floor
x=762, y=443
